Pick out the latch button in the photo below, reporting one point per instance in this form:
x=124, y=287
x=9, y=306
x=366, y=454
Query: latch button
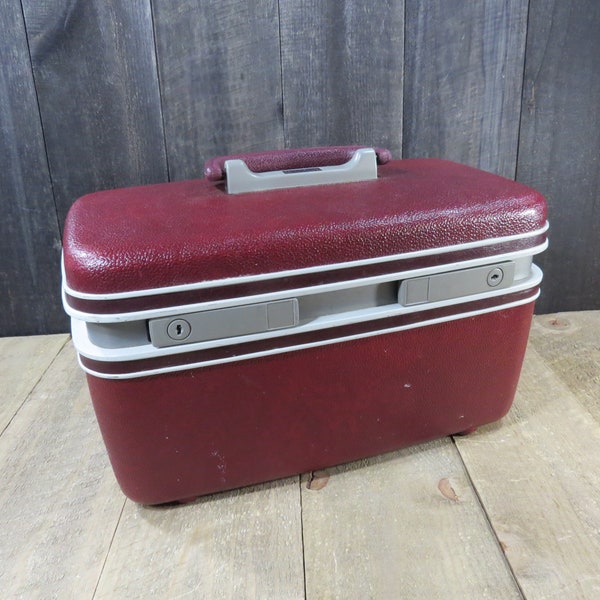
x=456, y=284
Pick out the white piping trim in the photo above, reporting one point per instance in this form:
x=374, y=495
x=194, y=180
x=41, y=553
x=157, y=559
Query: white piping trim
x=87, y=348
x=305, y=346
x=293, y=272
x=328, y=287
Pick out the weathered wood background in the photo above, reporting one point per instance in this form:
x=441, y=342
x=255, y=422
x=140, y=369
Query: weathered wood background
x=97, y=94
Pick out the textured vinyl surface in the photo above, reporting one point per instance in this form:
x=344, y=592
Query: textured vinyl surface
x=185, y=232
x=202, y=430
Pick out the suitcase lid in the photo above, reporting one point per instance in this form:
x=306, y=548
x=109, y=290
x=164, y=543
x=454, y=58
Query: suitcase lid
x=139, y=248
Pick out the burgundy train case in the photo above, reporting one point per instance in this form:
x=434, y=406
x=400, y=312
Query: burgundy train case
x=296, y=310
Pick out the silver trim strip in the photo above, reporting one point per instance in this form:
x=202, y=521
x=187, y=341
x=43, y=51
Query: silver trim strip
x=85, y=346
x=227, y=302
x=292, y=272
x=305, y=346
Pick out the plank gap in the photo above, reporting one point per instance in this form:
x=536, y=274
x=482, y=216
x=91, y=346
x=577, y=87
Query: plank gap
x=391, y=509
x=488, y=519
x=112, y=539
x=159, y=84
x=59, y=499
x=541, y=489
x=522, y=103
x=36, y=383
x=300, y=478
x=282, y=90
x=36, y=97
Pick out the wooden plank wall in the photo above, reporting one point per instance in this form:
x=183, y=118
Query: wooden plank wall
x=29, y=232
x=220, y=78
x=463, y=101
x=559, y=149
x=97, y=95
x=342, y=72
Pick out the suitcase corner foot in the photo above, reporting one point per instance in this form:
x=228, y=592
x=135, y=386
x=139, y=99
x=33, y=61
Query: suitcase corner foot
x=467, y=431
x=188, y=500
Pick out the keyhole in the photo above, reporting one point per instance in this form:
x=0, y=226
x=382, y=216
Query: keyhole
x=179, y=329
x=495, y=276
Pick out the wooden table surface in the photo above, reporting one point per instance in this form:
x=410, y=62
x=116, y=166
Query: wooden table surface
x=511, y=511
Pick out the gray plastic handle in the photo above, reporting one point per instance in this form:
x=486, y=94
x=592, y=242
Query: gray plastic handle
x=240, y=179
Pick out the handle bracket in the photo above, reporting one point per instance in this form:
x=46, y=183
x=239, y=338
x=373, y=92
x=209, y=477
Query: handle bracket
x=240, y=179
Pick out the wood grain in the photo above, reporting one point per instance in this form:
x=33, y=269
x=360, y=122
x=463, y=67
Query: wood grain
x=559, y=150
x=538, y=475
x=241, y=544
x=95, y=74
x=29, y=233
x=403, y=525
x=463, y=79
x=23, y=361
x=342, y=70
x=570, y=345
x=59, y=500
x=83, y=108
x=418, y=523
x=220, y=79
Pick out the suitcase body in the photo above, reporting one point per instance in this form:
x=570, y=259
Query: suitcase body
x=233, y=338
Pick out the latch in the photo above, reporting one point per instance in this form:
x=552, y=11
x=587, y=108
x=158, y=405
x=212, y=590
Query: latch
x=456, y=284
x=223, y=323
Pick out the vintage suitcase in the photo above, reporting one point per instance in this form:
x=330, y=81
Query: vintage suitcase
x=296, y=310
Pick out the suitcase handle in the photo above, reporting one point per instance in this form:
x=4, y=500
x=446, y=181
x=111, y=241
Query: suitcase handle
x=295, y=158
x=260, y=171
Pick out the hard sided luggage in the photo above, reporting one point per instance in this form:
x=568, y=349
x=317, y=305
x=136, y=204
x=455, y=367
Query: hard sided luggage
x=296, y=310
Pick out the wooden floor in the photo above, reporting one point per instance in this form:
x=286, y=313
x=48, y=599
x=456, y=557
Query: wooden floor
x=511, y=511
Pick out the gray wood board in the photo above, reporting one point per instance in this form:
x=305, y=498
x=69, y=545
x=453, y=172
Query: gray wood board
x=220, y=80
x=510, y=511
x=407, y=524
x=95, y=73
x=342, y=69
x=29, y=233
x=23, y=361
x=59, y=500
x=241, y=544
x=559, y=150
x=538, y=473
x=463, y=79
x=570, y=346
